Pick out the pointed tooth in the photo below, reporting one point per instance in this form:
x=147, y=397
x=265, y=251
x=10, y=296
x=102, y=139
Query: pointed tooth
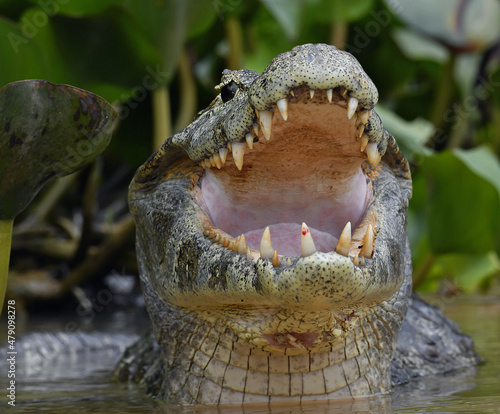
x=239, y=153
x=217, y=160
x=352, y=105
x=236, y=243
x=344, y=243
x=283, y=107
x=242, y=245
x=364, y=142
x=367, y=249
x=202, y=163
x=361, y=130
x=255, y=128
x=329, y=95
x=307, y=247
x=223, y=154
x=292, y=93
x=362, y=261
x=373, y=154
x=225, y=242
x=217, y=238
x=343, y=91
x=311, y=93
x=249, y=139
x=266, y=248
x=364, y=115
x=265, y=121
x=229, y=146
x=355, y=259
x=276, y=260
x=212, y=161
x=288, y=261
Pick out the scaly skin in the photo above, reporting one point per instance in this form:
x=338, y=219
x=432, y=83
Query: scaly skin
x=233, y=326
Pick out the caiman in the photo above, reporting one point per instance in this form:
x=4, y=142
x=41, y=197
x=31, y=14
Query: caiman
x=248, y=302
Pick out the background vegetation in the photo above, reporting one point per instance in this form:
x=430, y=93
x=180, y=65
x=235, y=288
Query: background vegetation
x=436, y=64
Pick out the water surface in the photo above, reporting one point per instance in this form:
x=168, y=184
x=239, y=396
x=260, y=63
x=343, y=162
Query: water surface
x=85, y=385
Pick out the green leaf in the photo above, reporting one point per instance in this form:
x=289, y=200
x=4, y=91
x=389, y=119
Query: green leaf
x=411, y=135
x=59, y=50
x=463, y=201
x=46, y=131
x=287, y=13
x=343, y=11
x=469, y=272
x=23, y=54
x=164, y=24
x=74, y=8
x=349, y=11
x=482, y=162
x=201, y=16
x=474, y=272
x=418, y=47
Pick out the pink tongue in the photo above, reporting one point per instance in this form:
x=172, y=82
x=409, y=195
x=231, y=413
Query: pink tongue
x=285, y=238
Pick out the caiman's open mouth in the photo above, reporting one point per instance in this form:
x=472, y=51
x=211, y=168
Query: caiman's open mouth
x=221, y=206
x=303, y=162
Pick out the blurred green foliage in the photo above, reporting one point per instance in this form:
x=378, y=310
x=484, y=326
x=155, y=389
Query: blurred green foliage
x=440, y=93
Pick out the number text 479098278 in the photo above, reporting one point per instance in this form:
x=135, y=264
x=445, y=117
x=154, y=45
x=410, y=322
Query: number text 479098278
x=11, y=352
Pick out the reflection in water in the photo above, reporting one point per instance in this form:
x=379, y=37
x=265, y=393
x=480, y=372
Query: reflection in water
x=378, y=404
x=82, y=381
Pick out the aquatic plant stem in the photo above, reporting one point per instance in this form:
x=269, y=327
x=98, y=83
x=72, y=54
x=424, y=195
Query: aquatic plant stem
x=5, y=243
x=443, y=93
x=162, y=124
x=188, y=97
x=339, y=31
x=234, y=35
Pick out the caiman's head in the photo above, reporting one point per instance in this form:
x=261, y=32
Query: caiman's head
x=221, y=207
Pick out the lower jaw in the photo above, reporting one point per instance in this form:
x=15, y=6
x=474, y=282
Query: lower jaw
x=283, y=210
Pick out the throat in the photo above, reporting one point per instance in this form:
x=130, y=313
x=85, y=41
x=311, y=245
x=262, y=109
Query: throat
x=210, y=365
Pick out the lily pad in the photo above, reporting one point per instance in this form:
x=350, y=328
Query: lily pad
x=46, y=131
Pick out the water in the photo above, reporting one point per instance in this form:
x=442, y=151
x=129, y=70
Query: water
x=86, y=386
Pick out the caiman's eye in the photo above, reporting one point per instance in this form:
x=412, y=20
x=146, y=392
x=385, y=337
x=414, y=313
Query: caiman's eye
x=228, y=91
